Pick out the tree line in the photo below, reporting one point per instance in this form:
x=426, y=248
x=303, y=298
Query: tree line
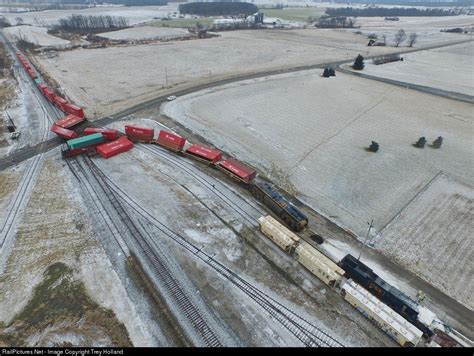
x=335, y=22
x=218, y=8
x=87, y=24
x=381, y=11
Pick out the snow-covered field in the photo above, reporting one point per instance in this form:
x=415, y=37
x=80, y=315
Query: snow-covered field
x=146, y=33
x=433, y=236
x=135, y=14
x=118, y=77
x=449, y=68
x=33, y=34
x=310, y=134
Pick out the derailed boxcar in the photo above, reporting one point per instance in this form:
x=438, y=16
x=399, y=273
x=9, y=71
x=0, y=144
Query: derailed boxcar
x=387, y=319
x=319, y=265
x=59, y=102
x=279, y=234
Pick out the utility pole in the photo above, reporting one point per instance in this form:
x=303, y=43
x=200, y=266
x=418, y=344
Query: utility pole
x=166, y=76
x=371, y=225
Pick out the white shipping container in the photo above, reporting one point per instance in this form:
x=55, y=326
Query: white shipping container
x=387, y=319
x=321, y=266
x=278, y=233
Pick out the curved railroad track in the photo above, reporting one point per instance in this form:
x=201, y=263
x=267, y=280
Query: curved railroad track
x=307, y=333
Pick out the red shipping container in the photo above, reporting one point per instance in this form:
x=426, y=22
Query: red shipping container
x=59, y=102
x=109, y=134
x=206, y=153
x=238, y=169
x=65, y=133
x=171, y=141
x=32, y=73
x=69, y=121
x=73, y=109
x=113, y=148
x=139, y=134
x=42, y=87
x=49, y=94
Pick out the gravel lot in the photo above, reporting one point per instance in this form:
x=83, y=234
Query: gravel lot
x=323, y=157
x=448, y=68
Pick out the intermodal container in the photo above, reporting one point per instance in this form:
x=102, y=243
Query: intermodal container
x=238, y=170
x=109, y=134
x=65, y=133
x=205, y=153
x=42, y=87
x=171, y=141
x=59, y=102
x=113, y=148
x=49, y=94
x=73, y=109
x=32, y=73
x=69, y=121
x=85, y=141
x=139, y=134
x=38, y=81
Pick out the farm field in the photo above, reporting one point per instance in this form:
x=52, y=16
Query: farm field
x=323, y=158
x=114, y=78
x=145, y=33
x=448, y=68
x=414, y=238
x=135, y=14
x=428, y=29
x=34, y=34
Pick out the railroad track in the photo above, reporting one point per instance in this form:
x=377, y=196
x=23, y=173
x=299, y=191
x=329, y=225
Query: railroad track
x=29, y=177
x=142, y=239
x=204, y=181
x=303, y=330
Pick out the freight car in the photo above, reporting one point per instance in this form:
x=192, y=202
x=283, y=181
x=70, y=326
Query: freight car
x=387, y=293
x=285, y=210
x=387, y=319
x=319, y=265
x=313, y=260
x=279, y=234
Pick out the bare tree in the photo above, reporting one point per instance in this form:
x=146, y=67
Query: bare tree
x=400, y=36
x=412, y=39
x=19, y=21
x=384, y=39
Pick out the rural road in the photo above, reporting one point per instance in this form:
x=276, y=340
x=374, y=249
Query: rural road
x=440, y=302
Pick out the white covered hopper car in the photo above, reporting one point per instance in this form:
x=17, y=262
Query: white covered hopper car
x=278, y=233
x=387, y=319
x=319, y=265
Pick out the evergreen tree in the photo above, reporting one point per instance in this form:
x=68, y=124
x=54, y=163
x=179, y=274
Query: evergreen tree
x=359, y=63
x=437, y=143
x=421, y=142
x=374, y=147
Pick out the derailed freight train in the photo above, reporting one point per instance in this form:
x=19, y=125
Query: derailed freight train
x=387, y=293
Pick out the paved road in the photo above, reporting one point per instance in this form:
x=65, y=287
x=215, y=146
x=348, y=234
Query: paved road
x=23, y=154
